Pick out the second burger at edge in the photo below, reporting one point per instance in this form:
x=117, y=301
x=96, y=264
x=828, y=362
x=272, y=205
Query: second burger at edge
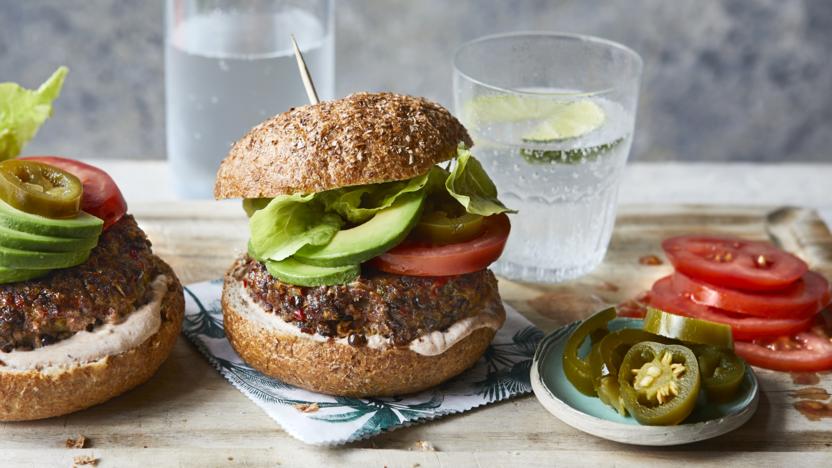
x=366, y=272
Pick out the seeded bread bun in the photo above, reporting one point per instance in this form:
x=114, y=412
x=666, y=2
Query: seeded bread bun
x=336, y=368
x=364, y=138
x=36, y=394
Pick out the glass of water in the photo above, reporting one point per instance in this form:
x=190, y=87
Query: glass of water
x=552, y=118
x=228, y=66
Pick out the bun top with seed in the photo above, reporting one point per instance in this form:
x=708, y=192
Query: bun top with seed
x=364, y=138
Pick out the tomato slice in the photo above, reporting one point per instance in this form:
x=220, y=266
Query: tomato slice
x=803, y=298
x=734, y=263
x=101, y=198
x=744, y=327
x=419, y=259
x=809, y=351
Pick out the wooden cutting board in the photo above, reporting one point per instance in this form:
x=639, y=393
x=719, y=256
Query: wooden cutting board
x=187, y=414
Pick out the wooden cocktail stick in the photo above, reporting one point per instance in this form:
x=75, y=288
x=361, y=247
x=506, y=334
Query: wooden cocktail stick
x=304, y=73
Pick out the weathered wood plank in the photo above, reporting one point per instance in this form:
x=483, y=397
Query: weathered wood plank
x=277, y=456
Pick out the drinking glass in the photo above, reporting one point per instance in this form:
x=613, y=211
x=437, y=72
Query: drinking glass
x=552, y=117
x=228, y=66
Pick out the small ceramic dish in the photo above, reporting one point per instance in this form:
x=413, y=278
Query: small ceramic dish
x=590, y=415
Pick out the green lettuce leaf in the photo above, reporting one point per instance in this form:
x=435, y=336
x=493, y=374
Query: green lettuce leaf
x=285, y=224
x=288, y=223
x=436, y=180
x=23, y=111
x=359, y=204
x=472, y=187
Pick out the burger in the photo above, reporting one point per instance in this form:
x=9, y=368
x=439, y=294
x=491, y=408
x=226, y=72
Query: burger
x=87, y=311
x=371, y=230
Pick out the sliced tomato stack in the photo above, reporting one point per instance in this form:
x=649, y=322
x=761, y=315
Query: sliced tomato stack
x=773, y=303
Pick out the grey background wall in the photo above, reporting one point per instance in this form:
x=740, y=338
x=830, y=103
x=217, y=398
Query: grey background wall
x=746, y=80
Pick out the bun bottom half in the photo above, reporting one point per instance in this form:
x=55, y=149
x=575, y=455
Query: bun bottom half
x=33, y=394
x=340, y=369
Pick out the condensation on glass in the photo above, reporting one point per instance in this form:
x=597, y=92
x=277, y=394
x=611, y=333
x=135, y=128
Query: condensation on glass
x=518, y=95
x=228, y=66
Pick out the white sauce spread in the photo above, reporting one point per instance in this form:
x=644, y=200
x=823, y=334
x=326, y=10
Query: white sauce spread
x=106, y=340
x=431, y=344
x=437, y=342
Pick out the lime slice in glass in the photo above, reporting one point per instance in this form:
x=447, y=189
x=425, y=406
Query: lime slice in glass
x=507, y=108
x=567, y=120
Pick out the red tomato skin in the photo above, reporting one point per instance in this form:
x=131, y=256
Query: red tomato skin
x=732, y=263
x=415, y=259
x=102, y=197
x=814, y=354
x=802, y=299
x=743, y=327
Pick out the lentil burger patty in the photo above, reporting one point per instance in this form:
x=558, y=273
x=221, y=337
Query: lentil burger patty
x=401, y=308
x=106, y=288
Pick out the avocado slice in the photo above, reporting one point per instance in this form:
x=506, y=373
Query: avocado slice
x=30, y=260
x=13, y=275
x=294, y=272
x=365, y=241
x=20, y=240
x=82, y=226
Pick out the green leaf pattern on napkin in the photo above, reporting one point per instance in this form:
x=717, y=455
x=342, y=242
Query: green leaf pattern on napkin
x=502, y=373
x=508, y=365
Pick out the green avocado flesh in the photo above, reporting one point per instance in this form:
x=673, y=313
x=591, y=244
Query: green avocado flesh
x=8, y=275
x=294, y=272
x=31, y=260
x=82, y=226
x=365, y=241
x=12, y=239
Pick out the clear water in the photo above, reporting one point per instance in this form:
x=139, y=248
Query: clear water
x=566, y=197
x=225, y=73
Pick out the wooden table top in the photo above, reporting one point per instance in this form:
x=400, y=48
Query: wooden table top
x=188, y=415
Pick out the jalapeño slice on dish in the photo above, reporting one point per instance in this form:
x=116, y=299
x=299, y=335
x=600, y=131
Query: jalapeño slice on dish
x=606, y=356
x=721, y=371
x=577, y=368
x=609, y=392
x=688, y=330
x=659, y=383
x=40, y=189
x=605, y=360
